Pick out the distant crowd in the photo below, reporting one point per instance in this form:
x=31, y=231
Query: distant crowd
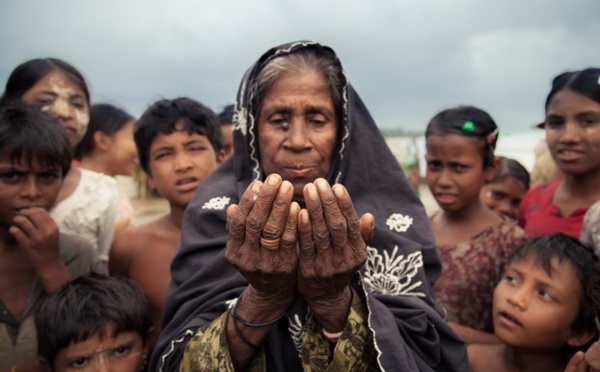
x=293, y=240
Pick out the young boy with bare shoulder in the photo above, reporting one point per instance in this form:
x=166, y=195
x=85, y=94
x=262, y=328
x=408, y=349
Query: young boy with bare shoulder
x=179, y=144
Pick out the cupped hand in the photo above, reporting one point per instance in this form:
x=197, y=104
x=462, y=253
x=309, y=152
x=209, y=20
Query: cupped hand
x=332, y=249
x=262, y=240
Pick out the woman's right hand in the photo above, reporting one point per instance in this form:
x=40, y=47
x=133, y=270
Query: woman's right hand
x=262, y=243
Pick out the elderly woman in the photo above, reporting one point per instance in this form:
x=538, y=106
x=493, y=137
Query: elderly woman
x=274, y=271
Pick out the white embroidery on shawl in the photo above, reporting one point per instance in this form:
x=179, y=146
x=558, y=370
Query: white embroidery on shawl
x=297, y=332
x=239, y=119
x=399, y=222
x=369, y=312
x=172, y=349
x=392, y=274
x=218, y=202
x=231, y=303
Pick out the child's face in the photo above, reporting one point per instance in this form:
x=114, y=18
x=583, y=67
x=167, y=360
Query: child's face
x=455, y=172
x=121, y=151
x=534, y=310
x=179, y=163
x=23, y=186
x=573, y=132
x=504, y=196
x=123, y=353
x=64, y=99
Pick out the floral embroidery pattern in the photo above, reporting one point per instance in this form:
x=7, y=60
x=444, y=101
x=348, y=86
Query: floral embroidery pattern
x=399, y=222
x=297, y=331
x=239, y=120
x=217, y=203
x=392, y=274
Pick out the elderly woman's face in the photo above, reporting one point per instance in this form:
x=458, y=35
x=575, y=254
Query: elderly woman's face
x=297, y=129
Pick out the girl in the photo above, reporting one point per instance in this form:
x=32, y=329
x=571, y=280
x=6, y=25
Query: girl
x=504, y=192
x=87, y=202
x=473, y=242
x=573, y=135
x=108, y=148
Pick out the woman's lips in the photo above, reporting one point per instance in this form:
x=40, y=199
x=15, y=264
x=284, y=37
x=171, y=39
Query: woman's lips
x=569, y=155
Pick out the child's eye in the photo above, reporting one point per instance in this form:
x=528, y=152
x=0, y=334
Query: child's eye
x=49, y=176
x=80, y=362
x=11, y=176
x=197, y=148
x=546, y=296
x=460, y=167
x=511, y=279
x=121, y=351
x=434, y=165
x=554, y=122
x=497, y=195
x=589, y=121
x=161, y=155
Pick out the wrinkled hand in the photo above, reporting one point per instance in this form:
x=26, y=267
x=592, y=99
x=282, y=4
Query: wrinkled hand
x=36, y=234
x=262, y=241
x=332, y=249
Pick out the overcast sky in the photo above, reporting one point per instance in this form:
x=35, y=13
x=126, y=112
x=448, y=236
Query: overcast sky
x=407, y=59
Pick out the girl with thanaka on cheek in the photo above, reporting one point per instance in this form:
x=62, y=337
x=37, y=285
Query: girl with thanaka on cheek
x=473, y=242
x=273, y=271
x=572, y=128
x=504, y=192
x=542, y=310
x=87, y=202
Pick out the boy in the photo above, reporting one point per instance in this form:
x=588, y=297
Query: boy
x=179, y=144
x=542, y=310
x=35, y=155
x=94, y=320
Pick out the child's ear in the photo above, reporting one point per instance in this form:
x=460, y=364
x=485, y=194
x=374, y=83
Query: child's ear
x=102, y=141
x=490, y=172
x=221, y=157
x=44, y=365
x=582, y=338
x=150, y=181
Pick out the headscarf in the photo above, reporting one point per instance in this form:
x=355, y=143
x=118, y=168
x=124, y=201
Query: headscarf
x=409, y=331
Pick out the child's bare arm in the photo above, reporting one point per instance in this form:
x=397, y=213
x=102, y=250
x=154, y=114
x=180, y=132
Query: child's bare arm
x=37, y=235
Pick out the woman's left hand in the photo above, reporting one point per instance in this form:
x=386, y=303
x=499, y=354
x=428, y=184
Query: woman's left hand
x=333, y=248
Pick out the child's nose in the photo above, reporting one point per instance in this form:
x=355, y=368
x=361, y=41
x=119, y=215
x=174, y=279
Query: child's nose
x=518, y=298
x=30, y=188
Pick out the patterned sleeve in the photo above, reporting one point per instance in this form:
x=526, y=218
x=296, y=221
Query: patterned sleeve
x=208, y=350
x=353, y=351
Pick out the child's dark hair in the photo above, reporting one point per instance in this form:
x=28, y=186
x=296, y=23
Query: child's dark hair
x=29, y=134
x=470, y=122
x=161, y=118
x=28, y=73
x=226, y=116
x=85, y=308
x=585, y=82
x=511, y=168
x=565, y=249
x=103, y=118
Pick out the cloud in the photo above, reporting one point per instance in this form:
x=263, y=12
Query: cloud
x=406, y=59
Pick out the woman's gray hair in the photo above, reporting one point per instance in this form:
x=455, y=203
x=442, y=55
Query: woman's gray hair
x=306, y=58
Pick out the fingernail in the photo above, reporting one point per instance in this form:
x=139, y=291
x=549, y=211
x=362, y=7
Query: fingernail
x=273, y=180
x=304, y=216
x=338, y=190
x=256, y=186
x=312, y=191
x=285, y=187
x=321, y=184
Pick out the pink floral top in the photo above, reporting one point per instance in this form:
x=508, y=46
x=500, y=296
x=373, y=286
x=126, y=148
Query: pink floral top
x=470, y=272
